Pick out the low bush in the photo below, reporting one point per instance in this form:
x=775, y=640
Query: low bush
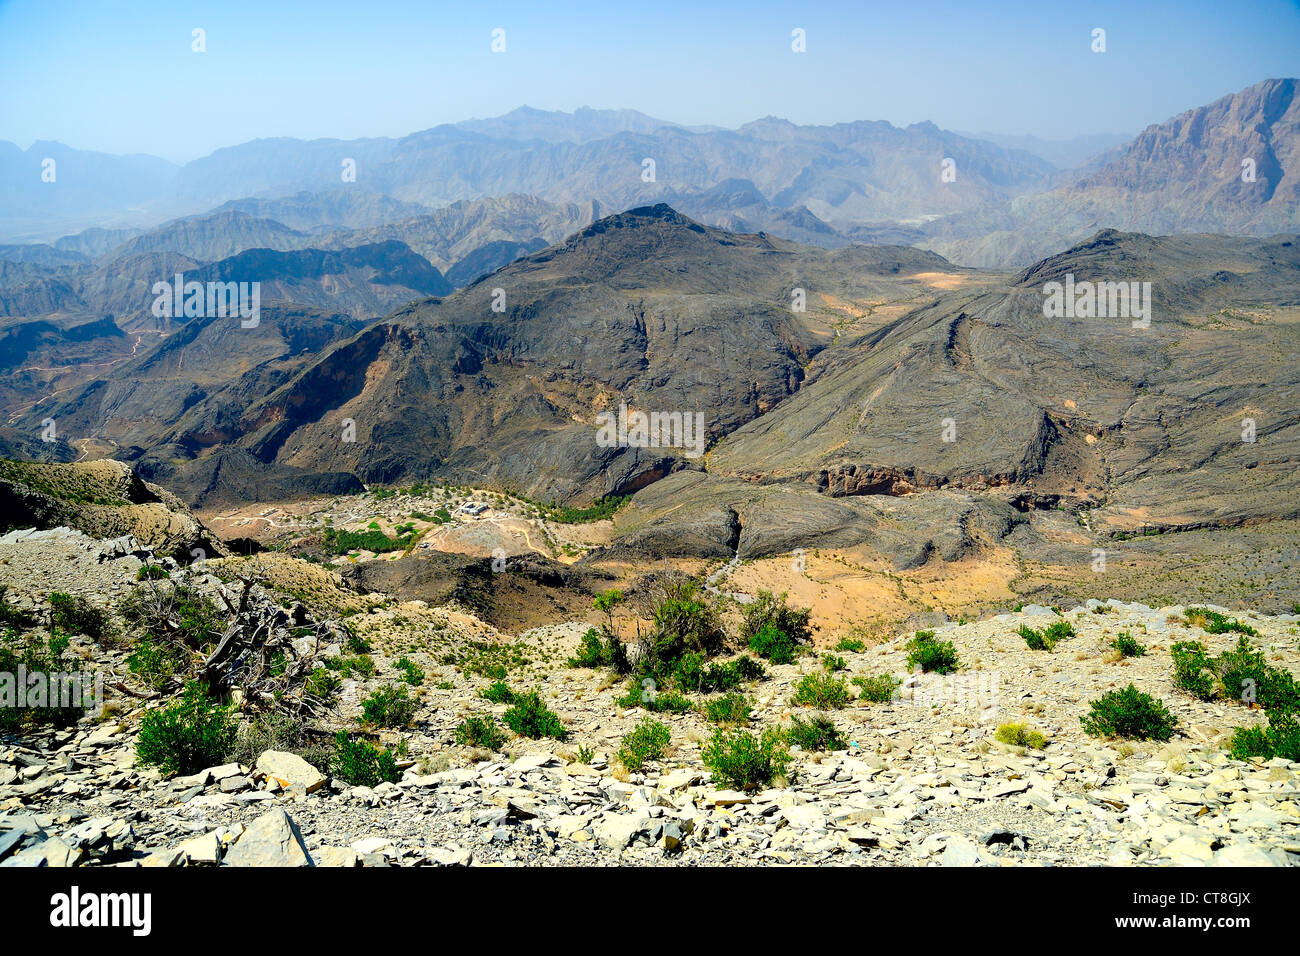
x=729, y=709
x=388, y=707
x=1194, y=669
x=925, y=652
x=820, y=691
x=1129, y=713
x=879, y=688
x=1019, y=735
x=1213, y=622
x=280, y=732
x=498, y=692
x=411, y=672
x=817, y=733
x=776, y=645
x=363, y=764
x=41, y=655
x=187, y=736
x=76, y=615
x=529, y=717
x=1128, y=646
x=744, y=761
x=774, y=610
x=480, y=732
x=1281, y=738
x=647, y=742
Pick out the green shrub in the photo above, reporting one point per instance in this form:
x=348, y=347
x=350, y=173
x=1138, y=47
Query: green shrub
x=76, y=615
x=728, y=709
x=820, y=691
x=1020, y=736
x=1046, y=639
x=480, y=732
x=1128, y=645
x=362, y=764
x=647, y=742
x=362, y=664
x=592, y=651
x=1247, y=677
x=774, y=644
x=498, y=693
x=321, y=683
x=188, y=736
x=529, y=717
x=818, y=733
x=1212, y=622
x=659, y=702
x=411, y=673
x=745, y=761
x=1194, y=669
x=851, y=644
x=930, y=655
x=356, y=644
x=1280, y=739
x=879, y=688
x=156, y=663
x=833, y=663
x=684, y=622
x=1129, y=713
x=37, y=655
x=692, y=674
x=388, y=707
x=152, y=572
x=769, y=609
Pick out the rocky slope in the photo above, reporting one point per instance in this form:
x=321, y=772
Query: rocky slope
x=921, y=780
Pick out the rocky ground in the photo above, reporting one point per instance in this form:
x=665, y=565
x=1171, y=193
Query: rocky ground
x=923, y=780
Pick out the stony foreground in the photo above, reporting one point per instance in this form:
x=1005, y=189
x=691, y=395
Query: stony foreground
x=923, y=781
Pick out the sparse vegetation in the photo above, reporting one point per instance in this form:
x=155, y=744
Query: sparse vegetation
x=480, y=732
x=745, y=761
x=925, y=652
x=1131, y=714
x=817, y=733
x=187, y=736
x=820, y=691
x=529, y=717
x=647, y=741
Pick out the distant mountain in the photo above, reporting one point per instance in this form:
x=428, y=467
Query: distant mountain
x=217, y=235
x=1062, y=153
x=448, y=235
x=646, y=307
x=339, y=208
x=976, y=201
x=86, y=188
x=1181, y=176
x=552, y=126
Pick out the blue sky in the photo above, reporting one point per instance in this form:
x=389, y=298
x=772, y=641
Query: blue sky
x=121, y=77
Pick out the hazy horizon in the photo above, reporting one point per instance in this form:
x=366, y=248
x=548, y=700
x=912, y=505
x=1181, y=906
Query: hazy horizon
x=124, y=79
